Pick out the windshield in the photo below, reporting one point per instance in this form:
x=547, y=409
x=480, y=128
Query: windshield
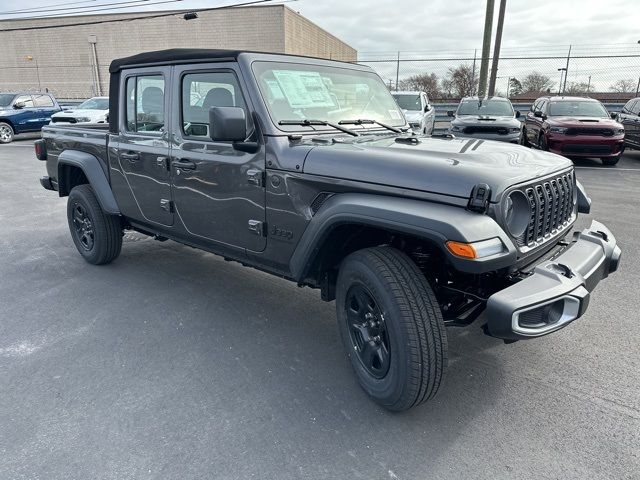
x=577, y=108
x=95, y=104
x=496, y=108
x=5, y=99
x=295, y=91
x=408, y=102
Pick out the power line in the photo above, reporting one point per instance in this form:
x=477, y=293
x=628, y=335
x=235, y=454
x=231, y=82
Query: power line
x=129, y=19
x=71, y=14
x=44, y=6
x=71, y=8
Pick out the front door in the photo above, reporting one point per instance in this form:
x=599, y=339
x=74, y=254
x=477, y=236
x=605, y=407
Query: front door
x=218, y=190
x=44, y=103
x=25, y=118
x=143, y=145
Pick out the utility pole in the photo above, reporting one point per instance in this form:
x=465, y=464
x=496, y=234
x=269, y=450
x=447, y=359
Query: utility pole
x=566, y=71
x=473, y=73
x=589, y=85
x=486, y=45
x=398, y=71
x=638, y=87
x=496, y=48
x=508, y=86
x=561, y=70
x=30, y=58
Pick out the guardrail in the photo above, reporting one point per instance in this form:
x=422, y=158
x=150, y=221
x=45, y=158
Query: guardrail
x=523, y=108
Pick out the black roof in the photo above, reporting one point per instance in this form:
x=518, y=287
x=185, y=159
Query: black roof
x=174, y=55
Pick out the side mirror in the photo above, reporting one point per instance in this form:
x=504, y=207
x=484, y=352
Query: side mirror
x=613, y=115
x=427, y=107
x=517, y=113
x=227, y=124
x=537, y=113
x=19, y=105
x=450, y=113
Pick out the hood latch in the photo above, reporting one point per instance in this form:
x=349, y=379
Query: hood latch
x=479, y=200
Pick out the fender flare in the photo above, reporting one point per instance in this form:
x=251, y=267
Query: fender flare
x=435, y=222
x=92, y=169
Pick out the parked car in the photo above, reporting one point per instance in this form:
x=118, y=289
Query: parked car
x=491, y=118
x=574, y=127
x=408, y=234
x=94, y=110
x=25, y=112
x=420, y=114
x=629, y=117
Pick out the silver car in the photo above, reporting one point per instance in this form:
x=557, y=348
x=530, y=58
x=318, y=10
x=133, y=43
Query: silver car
x=418, y=111
x=491, y=118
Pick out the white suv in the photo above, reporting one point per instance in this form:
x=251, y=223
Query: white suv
x=419, y=112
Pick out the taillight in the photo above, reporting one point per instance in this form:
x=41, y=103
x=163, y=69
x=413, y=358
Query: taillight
x=41, y=149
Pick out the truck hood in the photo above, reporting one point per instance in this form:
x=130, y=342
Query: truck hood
x=583, y=122
x=79, y=113
x=437, y=165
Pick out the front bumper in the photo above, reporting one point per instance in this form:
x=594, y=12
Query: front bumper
x=509, y=137
x=557, y=291
x=585, y=145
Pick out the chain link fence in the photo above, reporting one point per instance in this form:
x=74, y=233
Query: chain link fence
x=609, y=71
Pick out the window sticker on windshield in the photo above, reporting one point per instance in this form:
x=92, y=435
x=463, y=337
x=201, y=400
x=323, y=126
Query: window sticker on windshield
x=395, y=114
x=275, y=89
x=303, y=89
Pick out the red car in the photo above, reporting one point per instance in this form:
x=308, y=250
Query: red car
x=574, y=127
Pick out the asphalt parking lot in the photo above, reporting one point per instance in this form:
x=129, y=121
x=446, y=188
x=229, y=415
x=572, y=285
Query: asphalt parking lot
x=171, y=363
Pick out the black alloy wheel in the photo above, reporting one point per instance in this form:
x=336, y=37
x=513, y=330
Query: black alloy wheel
x=368, y=331
x=83, y=227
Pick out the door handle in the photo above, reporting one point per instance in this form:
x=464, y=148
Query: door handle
x=184, y=164
x=131, y=156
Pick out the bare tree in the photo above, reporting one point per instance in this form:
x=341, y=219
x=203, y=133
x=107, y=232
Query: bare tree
x=624, y=85
x=536, y=82
x=424, y=82
x=460, y=81
x=515, y=87
x=577, y=88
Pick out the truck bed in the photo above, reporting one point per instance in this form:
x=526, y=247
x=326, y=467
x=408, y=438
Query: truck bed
x=91, y=138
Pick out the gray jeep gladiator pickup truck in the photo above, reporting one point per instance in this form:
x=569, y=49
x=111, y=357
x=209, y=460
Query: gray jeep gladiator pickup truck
x=307, y=169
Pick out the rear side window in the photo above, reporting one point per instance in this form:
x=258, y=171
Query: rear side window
x=26, y=99
x=145, y=104
x=42, y=101
x=635, y=107
x=200, y=92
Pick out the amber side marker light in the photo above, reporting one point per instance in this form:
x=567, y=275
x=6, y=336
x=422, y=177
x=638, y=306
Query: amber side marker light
x=475, y=250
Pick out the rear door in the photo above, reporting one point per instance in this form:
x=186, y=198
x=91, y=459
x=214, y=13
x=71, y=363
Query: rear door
x=45, y=106
x=142, y=146
x=218, y=190
x=631, y=121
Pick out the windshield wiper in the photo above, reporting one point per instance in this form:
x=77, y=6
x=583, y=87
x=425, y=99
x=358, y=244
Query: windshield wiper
x=365, y=121
x=309, y=123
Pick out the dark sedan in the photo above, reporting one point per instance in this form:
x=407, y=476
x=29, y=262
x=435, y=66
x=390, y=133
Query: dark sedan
x=574, y=127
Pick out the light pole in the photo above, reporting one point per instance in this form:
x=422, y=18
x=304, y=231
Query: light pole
x=30, y=58
x=561, y=70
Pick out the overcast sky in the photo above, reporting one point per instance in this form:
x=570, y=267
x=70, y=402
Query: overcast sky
x=453, y=28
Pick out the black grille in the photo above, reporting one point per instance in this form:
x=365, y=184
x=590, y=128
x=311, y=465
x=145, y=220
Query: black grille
x=603, y=132
x=551, y=205
x=64, y=119
x=486, y=129
x=318, y=201
x=570, y=148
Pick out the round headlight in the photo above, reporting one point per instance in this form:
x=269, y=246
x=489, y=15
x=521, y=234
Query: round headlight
x=516, y=213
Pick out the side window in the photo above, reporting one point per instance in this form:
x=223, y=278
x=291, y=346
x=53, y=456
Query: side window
x=535, y=105
x=200, y=92
x=145, y=103
x=26, y=99
x=543, y=106
x=636, y=107
x=42, y=101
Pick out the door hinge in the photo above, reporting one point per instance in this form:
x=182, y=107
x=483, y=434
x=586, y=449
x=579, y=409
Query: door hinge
x=166, y=205
x=256, y=177
x=258, y=227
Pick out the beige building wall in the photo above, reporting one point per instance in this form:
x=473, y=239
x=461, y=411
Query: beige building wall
x=61, y=59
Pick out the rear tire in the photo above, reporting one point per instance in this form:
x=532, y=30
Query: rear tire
x=6, y=133
x=542, y=142
x=96, y=235
x=400, y=358
x=610, y=161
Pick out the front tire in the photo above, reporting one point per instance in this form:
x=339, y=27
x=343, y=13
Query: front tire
x=523, y=138
x=6, y=133
x=610, y=161
x=542, y=142
x=391, y=326
x=96, y=235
